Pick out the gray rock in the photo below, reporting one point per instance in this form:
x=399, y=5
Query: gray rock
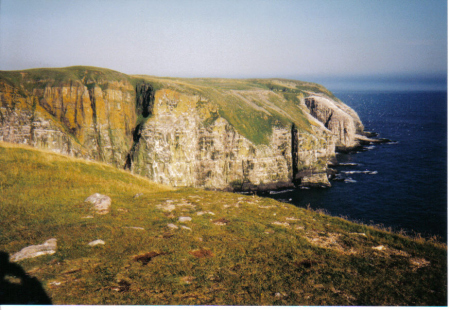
x=47, y=248
x=184, y=219
x=338, y=118
x=135, y=227
x=96, y=242
x=101, y=203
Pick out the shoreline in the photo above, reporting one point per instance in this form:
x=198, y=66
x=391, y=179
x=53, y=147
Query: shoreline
x=364, y=139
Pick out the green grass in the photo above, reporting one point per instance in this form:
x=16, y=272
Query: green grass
x=28, y=80
x=268, y=253
x=55, y=76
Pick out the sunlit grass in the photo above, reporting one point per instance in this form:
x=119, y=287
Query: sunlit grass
x=235, y=250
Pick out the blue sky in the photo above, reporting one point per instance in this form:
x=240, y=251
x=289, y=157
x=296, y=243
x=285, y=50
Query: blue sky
x=229, y=38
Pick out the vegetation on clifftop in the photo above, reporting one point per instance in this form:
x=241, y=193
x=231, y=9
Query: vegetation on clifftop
x=42, y=77
x=252, y=106
x=226, y=249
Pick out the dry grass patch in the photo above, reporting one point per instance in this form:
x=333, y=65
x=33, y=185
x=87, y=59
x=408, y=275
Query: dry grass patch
x=250, y=261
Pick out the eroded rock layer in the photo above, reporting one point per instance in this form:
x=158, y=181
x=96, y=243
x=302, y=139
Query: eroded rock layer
x=212, y=133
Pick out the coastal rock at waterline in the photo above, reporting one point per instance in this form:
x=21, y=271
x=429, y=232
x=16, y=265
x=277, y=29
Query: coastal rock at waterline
x=47, y=248
x=101, y=203
x=317, y=179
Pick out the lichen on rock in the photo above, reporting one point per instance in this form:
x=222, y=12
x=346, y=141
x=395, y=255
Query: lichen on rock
x=258, y=134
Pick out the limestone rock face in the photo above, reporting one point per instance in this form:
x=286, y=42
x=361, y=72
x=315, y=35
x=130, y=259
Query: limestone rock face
x=91, y=120
x=176, y=148
x=211, y=133
x=342, y=122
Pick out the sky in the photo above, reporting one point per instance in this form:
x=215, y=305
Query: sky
x=318, y=40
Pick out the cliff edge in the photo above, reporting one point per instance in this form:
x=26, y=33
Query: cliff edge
x=212, y=133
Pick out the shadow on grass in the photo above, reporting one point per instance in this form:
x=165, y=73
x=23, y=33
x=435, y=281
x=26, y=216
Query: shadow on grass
x=18, y=288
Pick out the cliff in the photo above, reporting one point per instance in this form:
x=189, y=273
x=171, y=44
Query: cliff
x=343, y=122
x=78, y=111
x=212, y=133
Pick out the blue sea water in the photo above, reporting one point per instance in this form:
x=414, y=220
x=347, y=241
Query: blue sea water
x=402, y=185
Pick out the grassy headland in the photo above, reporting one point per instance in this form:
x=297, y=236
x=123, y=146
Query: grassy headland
x=234, y=250
x=252, y=106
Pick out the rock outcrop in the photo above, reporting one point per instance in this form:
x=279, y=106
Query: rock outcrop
x=211, y=133
x=46, y=248
x=338, y=118
x=100, y=203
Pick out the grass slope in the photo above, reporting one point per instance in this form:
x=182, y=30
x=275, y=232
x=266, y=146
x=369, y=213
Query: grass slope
x=238, y=250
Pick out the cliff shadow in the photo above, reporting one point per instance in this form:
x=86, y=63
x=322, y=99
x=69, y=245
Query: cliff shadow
x=18, y=288
x=145, y=101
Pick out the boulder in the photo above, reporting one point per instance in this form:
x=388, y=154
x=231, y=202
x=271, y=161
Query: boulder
x=184, y=219
x=101, y=203
x=47, y=248
x=96, y=242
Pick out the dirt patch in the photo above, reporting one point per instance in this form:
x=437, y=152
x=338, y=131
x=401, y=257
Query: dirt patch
x=147, y=257
x=266, y=207
x=221, y=222
x=415, y=262
x=73, y=270
x=123, y=286
x=166, y=235
x=385, y=251
x=201, y=253
x=328, y=240
x=292, y=219
x=284, y=224
x=187, y=279
x=168, y=206
x=200, y=213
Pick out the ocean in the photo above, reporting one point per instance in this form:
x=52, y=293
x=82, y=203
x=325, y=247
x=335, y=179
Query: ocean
x=401, y=184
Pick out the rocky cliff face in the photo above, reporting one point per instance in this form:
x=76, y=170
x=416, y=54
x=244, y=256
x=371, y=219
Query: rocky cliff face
x=177, y=148
x=343, y=122
x=88, y=118
x=235, y=134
